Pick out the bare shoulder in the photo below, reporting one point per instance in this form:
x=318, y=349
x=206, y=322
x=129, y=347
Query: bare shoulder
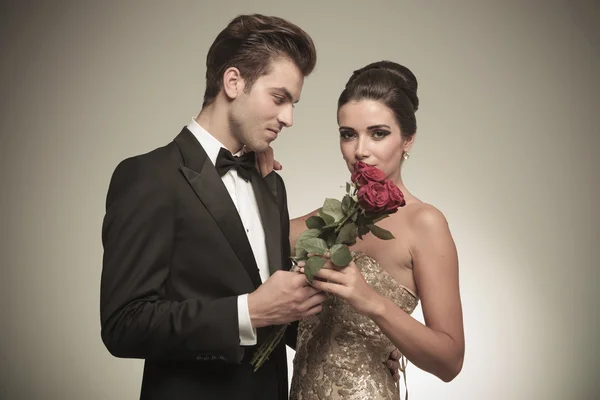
x=426, y=218
x=431, y=235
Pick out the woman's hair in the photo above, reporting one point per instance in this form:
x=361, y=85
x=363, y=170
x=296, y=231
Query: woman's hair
x=251, y=43
x=390, y=83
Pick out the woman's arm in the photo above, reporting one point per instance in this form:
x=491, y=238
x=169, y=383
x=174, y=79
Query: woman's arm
x=438, y=346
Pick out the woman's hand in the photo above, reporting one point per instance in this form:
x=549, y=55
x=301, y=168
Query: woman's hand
x=266, y=163
x=349, y=284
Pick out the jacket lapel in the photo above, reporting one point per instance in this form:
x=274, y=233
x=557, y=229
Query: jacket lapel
x=266, y=193
x=203, y=178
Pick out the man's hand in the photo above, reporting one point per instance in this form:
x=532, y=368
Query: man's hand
x=285, y=297
x=393, y=364
x=266, y=163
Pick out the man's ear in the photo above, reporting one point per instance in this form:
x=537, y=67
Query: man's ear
x=233, y=83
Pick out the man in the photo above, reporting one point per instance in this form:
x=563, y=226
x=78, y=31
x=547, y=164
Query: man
x=196, y=251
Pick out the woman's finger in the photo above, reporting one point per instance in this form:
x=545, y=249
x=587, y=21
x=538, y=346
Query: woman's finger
x=331, y=274
x=329, y=287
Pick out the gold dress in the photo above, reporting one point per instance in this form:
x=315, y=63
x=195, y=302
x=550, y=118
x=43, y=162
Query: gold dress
x=340, y=354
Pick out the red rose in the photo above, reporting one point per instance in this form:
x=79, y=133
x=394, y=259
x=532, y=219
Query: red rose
x=376, y=197
x=364, y=173
x=396, y=196
x=373, y=197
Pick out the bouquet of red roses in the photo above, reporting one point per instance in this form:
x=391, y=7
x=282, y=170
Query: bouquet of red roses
x=369, y=199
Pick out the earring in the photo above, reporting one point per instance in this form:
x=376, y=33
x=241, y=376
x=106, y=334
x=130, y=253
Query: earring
x=406, y=155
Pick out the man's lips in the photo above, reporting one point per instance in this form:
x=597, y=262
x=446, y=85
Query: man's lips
x=275, y=131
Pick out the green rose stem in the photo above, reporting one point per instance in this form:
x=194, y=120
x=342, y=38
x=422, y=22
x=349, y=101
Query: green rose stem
x=262, y=354
x=346, y=218
x=341, y=255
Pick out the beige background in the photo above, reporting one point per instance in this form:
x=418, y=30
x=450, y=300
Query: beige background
x=507, y=148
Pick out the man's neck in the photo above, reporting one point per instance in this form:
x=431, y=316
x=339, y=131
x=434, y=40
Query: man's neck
x=215, y=121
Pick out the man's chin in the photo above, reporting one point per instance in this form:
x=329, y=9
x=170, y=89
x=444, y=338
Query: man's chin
x=259, y=147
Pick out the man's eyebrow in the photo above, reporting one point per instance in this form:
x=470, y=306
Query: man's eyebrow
x=287, y=94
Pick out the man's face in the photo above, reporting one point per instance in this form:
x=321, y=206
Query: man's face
x=256, y=117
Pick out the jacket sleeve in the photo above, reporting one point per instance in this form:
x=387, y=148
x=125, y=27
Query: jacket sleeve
x=291, y=332
x=137, y=320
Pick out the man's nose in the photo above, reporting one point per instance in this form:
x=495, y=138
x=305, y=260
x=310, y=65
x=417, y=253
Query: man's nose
x=286, y=117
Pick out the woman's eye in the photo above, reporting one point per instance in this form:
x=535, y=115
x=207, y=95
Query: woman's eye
x=346, y=135
x=380, y=134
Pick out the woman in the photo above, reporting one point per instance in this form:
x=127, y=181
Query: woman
x=341, y=352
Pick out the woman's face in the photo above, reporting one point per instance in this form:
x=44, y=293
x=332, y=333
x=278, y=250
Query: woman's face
x=370, y=133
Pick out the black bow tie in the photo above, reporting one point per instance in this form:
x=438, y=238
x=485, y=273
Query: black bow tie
x=243, y=164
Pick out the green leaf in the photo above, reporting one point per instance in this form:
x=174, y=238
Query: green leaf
x=315, y=222
x=330, y=237
x=340, y=255
x=361, y=219
x=362, y=222
x=347, y=204
x=312, y=266
x=362, y=230
x=348, y=187
x=379, y=218
x=380, y=232
x=327, y=218
x=307, y=234
x=302, y=255
x=333, y=208
x=347, y=234
x=315, y=245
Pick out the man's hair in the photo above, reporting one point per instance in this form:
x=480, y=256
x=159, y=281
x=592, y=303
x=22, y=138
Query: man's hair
x=251, y=43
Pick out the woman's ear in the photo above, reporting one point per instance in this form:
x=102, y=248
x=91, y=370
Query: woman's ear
x=408, y=143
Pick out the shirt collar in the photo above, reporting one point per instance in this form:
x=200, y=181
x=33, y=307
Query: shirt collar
x=209, y=143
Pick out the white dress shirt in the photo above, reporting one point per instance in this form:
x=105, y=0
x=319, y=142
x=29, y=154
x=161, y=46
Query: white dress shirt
x=243, y=197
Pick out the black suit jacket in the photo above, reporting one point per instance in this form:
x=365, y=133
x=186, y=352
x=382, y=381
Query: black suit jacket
x=176, y=257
